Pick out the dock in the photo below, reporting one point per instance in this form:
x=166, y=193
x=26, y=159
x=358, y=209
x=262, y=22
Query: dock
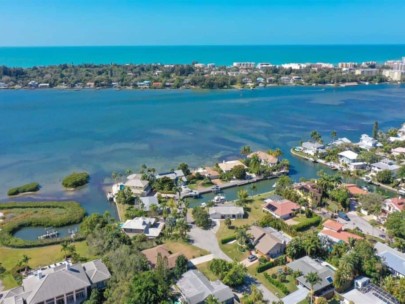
x=49, y=235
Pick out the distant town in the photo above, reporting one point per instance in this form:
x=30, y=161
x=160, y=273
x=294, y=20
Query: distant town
x=201, y=76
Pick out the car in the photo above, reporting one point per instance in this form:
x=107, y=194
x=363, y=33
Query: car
x=343, y=215
x=252, y=258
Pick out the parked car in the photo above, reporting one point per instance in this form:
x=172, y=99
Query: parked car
x=252, y=258
x=343, y=215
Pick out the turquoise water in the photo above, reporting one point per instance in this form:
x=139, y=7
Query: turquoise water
x=221, y=55
x=46, y=134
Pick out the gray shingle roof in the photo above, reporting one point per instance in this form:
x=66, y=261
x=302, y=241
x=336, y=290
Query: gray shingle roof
x=96, y=271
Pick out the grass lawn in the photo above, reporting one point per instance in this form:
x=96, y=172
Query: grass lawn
x=233, y=251
x=260, y=277
x=189, y=251
x=122, y=208
x=40, y=256
x=205, y=269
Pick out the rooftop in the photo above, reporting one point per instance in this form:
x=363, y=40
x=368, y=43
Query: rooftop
x=226, y=210
x=229, y=165
x=333, y=225
x=354, y=189
x=349, y=154
x=391, y=257
x=263, y=156
x=281, y=208
x=152, y=255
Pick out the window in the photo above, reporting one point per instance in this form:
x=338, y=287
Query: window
x=80, y=294
x=70, y=298
x=50, y=301
x=60, y=300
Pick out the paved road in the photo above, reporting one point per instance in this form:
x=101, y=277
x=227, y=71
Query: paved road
x=207, y=240
x=362, y=224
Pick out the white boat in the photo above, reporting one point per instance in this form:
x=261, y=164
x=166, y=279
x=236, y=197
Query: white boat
x=203, y=205
x=275, y=185
x=367, y=179
x=219, y=199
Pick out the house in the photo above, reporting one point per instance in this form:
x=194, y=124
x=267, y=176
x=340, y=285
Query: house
x=385, y=164
x=310, y=190
x=265, y=158
x=227, y=166
x=283, y=209
x=60, y=283
x=312, y=148
x=149, y=201
x=365, y=292
x=341, y=141
x=138, y=186
x=152, y=254
x=398, y=151
x=224, y=212
x=347, y=157
x=148, y=226
x=366, y=142
x=392, y=258
x=268, y=241
x=334, y=233
x=208, y=172
x=306, y=265
x=195, y=288
x=396, y=204
x=176, y=175
x=354, y=190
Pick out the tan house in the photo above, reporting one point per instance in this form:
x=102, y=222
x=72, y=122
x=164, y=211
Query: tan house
x=283, y=209
x=153, y=253
x=310, y=191
x=265, y=158
x=227, y=166
x=268, y=241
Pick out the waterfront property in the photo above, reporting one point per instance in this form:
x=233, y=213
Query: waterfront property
x=392, y=258
x=310, y=191
x=224, y=212
x=265, y=158
x=283, y=209
x=268, y=241
x=385, y=164
x=152, y=254
x=148, y=201
x=395, y=204
x=195, y=288
x=63, y=283
x=312, y=148
x=208, y=172
x=176, y=176
x=366, y=142
x=138, y=186
x=333, y=232
x=306, y=265
x=354, y=190
x=227, y=166
x=148, y=226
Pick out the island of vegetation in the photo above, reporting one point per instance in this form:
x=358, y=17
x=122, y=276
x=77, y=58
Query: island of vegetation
x=75, y=180
x=195, y=75
x=36, y=214
x=31, y=187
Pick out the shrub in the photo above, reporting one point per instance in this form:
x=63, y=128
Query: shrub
x=32, y=187
x=276, y=283
x=276, y=262
x=307, y=223
x=228, y=239
x=76, y=179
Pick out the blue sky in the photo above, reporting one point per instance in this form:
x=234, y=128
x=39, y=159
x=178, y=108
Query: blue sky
x=182, y=22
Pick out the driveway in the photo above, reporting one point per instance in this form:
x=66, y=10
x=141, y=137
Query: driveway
x=207, y=240
x=362, y=224
x=202, y=259
x=248, y=263
x=297, y=296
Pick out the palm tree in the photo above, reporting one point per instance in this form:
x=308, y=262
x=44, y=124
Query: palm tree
x=245, y=150
x=24, y=262
x=316, y=136
x=312, y=278
x=243, y=196
x=64, y=248
x=333, y=135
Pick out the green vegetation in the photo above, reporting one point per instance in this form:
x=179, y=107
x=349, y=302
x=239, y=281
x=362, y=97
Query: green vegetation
x=277, y=284
x=32, y=187
x=201, y=217
x=276, y=262
x=75, y=180
x=45, y=214
x=228, y=239
x=230, y=273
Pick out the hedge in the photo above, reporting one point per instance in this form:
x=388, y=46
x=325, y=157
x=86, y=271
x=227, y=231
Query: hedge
x=76, y=179
x=276, y=283
x=228, y=239
x=72, y=213
x=313, y=221
x=31, y=187
x=281, y=260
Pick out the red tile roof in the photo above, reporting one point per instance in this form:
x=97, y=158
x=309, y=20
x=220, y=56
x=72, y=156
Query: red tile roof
x=333, y=225
x=342, y=235
x=282, y=208
x=355, y=190
x=398, y=202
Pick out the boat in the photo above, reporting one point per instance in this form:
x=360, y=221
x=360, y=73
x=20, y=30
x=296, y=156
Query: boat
x=204, y=205
x=367, y=179
x=50, y=234
x=275, y=185
x=219, y=199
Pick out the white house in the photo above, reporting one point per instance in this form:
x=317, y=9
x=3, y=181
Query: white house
x=366, y=142
x=348, y=157
x=312, y=148
x=393, y=259
x=227, y=166
x=143, y=225
x=385, y=164
x=223, y=212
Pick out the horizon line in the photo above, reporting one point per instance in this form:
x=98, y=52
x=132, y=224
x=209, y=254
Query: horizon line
x=203, y=45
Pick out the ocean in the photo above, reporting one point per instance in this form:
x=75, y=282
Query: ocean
x=47, y=134
x=220, y=55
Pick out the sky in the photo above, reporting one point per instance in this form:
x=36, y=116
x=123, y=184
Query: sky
x=187, y=22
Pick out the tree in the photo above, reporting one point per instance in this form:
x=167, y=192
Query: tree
x=184, y=167
x=245, y=150
x=341, y=196
x=385, y=177
x=396, y=287
x=235, y=276
x=283, y=183
x=242, y=198
x=24, y=262
x=295, y=248
x=96, y=297
x=321, y=300
x=401, y=172
x=201, y=217
x=228, y=222
x=312, y=278
x=316, y=136
x=94, y=221
x=211, y=300
x=64, y=248
x=333, y=135
x=181, y=266
x=255, y=296
x=242, y=236
x=125, y=197
x=395, y=224
x=371, y=202
x=375, y=130
x=146, y=288
x=239, y=172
